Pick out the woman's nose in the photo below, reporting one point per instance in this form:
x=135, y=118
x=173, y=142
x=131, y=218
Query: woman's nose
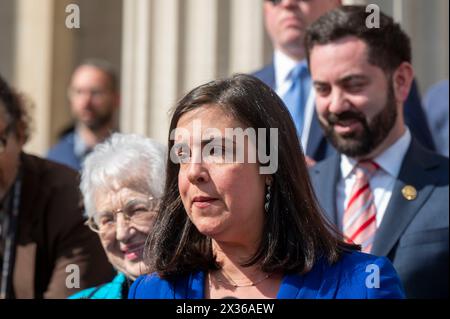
x=122, y=228
x=197, y=173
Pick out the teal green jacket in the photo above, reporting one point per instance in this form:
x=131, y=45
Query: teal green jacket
x=111, y=290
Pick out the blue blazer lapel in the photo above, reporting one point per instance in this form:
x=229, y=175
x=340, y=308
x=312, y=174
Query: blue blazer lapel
x=418, y=170
x=270, y=76
x=189, y=286
x=321, y=282
x=267, y=75
x=315, y=138
x=325, y=177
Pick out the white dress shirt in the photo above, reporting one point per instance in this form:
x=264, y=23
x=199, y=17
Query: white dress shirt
x=381, y=183
x=283, y=66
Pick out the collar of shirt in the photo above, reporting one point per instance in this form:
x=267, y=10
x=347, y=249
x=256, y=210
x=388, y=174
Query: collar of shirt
x=80, y=148
x=390, y=160
x=283, y=66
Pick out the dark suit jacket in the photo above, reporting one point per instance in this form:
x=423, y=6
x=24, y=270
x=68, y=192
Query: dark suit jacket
x=318, y=147
x=52, y=234
x=413, y=234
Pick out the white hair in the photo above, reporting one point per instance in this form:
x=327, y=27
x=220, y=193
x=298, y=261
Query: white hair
x=124, y=160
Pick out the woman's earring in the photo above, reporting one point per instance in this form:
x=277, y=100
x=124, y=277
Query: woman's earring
x=267, y=202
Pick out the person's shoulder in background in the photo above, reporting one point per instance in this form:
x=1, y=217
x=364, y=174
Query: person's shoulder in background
x=435, y=103
x=266, y=74
x=110, y=290
x=63, y=152
x=51, y=196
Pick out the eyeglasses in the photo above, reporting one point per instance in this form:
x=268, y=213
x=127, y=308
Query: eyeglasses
x=94, y=93
x=277, y=2
x=138, y=212
x=4, y=138
x=274, y=2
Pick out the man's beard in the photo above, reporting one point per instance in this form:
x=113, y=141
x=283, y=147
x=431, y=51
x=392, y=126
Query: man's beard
x=99, y=121
x=358, y=144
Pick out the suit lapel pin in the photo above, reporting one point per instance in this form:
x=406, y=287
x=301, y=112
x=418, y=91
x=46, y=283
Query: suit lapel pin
x=409, y=192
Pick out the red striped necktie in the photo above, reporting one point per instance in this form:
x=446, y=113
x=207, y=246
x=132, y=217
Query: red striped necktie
x=360, y=222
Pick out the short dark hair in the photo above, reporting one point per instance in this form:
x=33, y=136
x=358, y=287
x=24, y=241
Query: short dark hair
x=388, y=45
x=295, y=233
x=107, y=68
x=15, y=106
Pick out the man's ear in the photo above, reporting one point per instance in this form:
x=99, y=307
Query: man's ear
x=402, y=81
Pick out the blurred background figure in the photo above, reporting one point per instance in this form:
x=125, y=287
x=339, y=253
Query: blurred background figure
x=41, y=223
x=122, y=182
x=435, y=104
x=228, y=228
x=94, y=101
x=286, y=22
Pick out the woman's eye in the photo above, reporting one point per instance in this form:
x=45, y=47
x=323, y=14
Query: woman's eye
x=183, y=156
x=138, y=210
x=182, y=152
x=216, y=151
x=106, y=219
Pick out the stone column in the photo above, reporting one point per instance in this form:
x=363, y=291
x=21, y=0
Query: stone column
x=171, y=46
x=42, y=62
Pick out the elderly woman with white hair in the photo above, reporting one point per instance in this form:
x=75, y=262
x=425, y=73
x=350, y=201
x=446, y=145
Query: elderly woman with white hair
x=122, y=181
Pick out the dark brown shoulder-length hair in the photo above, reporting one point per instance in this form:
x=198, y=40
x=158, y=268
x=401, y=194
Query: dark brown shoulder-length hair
x=16, y=107
x=295, y=233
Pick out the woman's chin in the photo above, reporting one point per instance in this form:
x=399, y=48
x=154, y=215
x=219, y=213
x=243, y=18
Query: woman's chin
x=209, y=229
x=135, y=269
x=211, y=226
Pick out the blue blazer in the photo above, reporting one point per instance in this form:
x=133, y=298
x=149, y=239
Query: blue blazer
x=350, y=278
x=63, y=152
x=413, y=234
x=318, y=147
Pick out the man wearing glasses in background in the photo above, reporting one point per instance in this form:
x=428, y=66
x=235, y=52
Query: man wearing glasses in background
x=286, y=22
x=94, y=101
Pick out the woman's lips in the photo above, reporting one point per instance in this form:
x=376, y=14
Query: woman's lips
x=203, y=201
x=134, y=252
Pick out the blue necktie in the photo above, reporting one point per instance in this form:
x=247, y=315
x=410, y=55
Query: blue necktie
x=297, y=95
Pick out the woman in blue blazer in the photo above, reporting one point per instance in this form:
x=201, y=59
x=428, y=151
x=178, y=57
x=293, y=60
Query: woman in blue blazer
x=239, y=217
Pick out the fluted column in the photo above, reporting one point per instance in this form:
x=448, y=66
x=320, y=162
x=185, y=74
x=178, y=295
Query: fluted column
x=42, y=64
x=250, y=47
